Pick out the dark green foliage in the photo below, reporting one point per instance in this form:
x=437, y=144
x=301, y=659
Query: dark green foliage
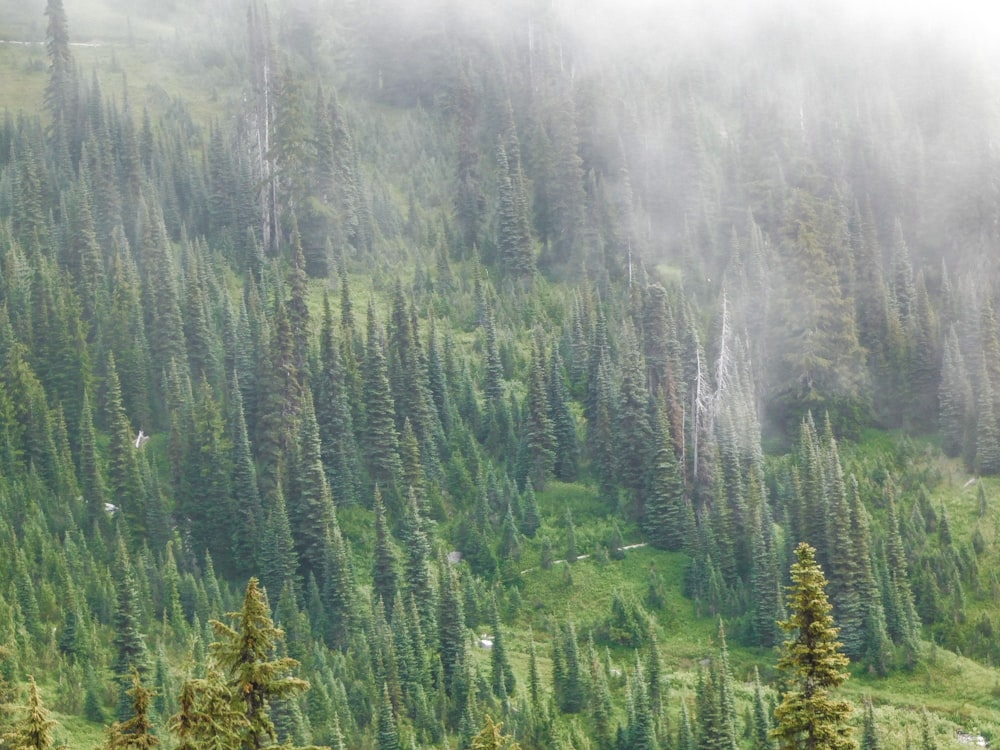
x=567, y=671
x=381, y=438
x=280, y=403
x=501, y=673
x=160, y=269
x=667, y=518
x=761, y=729
x=124, y=480
x=276, y=555
x=515, y=254
x=451, y=630
x=385, y=575
x=130, y=646
x=641, y=730
x=869, y=733
x=387, y=737
x=333, y=415
x=563, y=424
x=248, y=514
x=539, y=436
x=530, y=520
x=207, y=504
x=311, y=512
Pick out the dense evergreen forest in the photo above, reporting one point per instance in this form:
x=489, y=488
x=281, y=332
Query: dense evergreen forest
x=385, y=375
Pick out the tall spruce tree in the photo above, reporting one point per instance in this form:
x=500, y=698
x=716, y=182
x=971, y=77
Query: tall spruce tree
x=808, y=717
x=245, y=653
x=34, y=731
x=381, y=438
x=130, y=645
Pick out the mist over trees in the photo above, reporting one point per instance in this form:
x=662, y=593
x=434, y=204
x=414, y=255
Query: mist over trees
x=428, y=320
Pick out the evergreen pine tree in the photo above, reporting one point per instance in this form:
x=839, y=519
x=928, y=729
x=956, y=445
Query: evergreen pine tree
x=987, y=430
x=927, y=739
x=387, y=733
x=91, y=475
x=137, y=733
x=869, y=734
x=502, y=675
x=667, y=518
x=492, y=738
x=417, y=563
x=248, y=517
x=310, y=506
x=381, y=439
x=245, y=653
x=385, y=575
x=634, y=438
x=539, y=432
x=334, y=417
x=641, y=729
x=530, y=519
x=761, y=729
x=130, y=646
x=808, y=717
x=35, y=730
x=124, y=479
x=514, y=246
x=564, y=426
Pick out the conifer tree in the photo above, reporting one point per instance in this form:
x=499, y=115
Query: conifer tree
x=685, y=734
x=387, y=736
x=417, y=563
x=385, y=575
x=530, y=520
x=727, y=699
x=276, y=557
x=245, y=653
x=514, y=250
x=207, y=715
x=667, y=518
x=132, y=654
x=641, y=729
x=954, y=397
x=539, y=432
x=761, y=729
x=280, y=404
x=334, y=417
x=248, y=516
x=341, y=590
x=902, y=621
x=124, y=479
x=492, y=738
x=137, y=732
x=808, y=716
x=91, y=475
x=451, y=624
x=310, y=507
x=869, y=734
x=502, y=676
x=34, y=730
x=634, y=439
x=563, y=425
x=381, y=439
x=927, y=740
x=569, y=686
x=987, y=430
